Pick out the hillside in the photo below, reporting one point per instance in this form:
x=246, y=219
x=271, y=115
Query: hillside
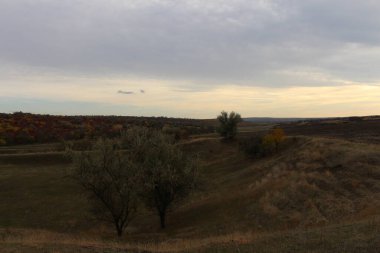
x=319, y=193
x=362, y=129
x=277, y=120
x=27, y=128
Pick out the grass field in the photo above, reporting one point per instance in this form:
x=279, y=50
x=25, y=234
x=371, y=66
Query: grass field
x=354, y=237
x=319, y=195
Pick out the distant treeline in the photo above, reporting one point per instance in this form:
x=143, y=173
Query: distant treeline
x=27, y=128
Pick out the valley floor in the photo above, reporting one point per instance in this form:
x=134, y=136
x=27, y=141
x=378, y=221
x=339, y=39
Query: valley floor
x=354, y=237
x=318, y=195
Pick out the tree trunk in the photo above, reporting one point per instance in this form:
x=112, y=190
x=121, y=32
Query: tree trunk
x=119, y=230
x=162, y=219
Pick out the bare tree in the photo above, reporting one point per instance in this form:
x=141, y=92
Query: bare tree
x=167, y=174
x=228, y=124
x=110, y=177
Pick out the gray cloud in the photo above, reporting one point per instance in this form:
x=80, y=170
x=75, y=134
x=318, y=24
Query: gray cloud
x=130, y=92
x=262, y=43
x=125, y=92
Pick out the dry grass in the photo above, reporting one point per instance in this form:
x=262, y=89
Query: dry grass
x=353, y=237
x=303, y=192
x=318, y=182
x=42, y=239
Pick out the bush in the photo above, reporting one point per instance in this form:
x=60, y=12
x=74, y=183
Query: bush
x=261, y=146
x=278, y=136
x=252, y=146
x=228, y=124
x=178, y=133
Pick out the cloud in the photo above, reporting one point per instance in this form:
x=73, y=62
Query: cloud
x=125, y=92
x=209, y=43
x=286, y=54
x=163, y=101
x=130, y=92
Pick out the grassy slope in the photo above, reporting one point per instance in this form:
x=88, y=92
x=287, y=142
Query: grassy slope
x=316, y=182
x=36, y=194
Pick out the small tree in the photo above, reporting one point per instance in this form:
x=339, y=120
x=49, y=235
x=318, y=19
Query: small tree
x=278, y=136
x=109, y=177
x=228, y=124
x=167, y=174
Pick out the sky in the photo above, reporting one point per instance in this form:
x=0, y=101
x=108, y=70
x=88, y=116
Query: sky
x=190, y=58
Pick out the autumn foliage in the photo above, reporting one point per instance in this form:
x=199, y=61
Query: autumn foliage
x=27, y=128
x=261, y=146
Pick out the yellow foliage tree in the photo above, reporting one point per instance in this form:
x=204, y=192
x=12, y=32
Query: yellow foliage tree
x=274, y=138
x=278, y=135
x=2, y=142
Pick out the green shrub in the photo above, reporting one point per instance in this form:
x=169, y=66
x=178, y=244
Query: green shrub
x=261, y=146
x=252, y=146
x=228, y=124
x=178, y=133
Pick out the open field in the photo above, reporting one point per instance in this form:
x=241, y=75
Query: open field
x=365, y=129
x=318, y=195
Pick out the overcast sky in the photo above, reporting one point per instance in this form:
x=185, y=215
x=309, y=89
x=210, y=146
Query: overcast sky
x=190, y=58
